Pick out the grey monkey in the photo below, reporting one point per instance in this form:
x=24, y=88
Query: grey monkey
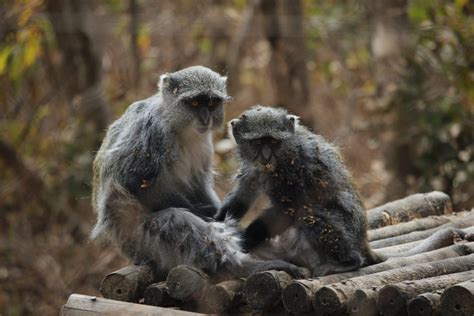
x=153, y=183
x=316, y=214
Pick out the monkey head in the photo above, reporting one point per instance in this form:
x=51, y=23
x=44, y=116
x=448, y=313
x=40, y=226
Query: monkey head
x=196, y=97
x=264, y=136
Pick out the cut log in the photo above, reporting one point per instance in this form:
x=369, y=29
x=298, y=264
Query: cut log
x=414, y=206
x=298, y=294
x=223, y=296
x=157, y=295
x=262, y=291
x=186, y=283
x=392, y=299
x=79, y=305
x=426, y=304
x=414, y=225
x=333, y=298
x=127, y=284
x=458, y=299
x=363, y=302
x=463, y=222
x=440, y=239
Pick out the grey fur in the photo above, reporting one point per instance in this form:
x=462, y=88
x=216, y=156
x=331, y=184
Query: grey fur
x=153, y=185
x=310, y=189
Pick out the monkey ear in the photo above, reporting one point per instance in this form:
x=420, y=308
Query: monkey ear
x=168, y=84
x=292, y=120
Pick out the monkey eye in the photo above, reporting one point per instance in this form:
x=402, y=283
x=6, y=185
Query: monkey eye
x=275, y=141
x=195, y=103
x=258, y=141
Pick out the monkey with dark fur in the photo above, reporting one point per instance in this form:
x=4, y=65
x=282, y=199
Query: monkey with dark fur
x=315, y=211
x=153, y=184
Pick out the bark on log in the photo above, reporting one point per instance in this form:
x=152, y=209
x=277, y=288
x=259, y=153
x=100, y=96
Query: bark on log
x=298, y=294
x=79, y=305
x=127, y=284
x=157, y=295
x=392, y=299
x=440, y=239
x=414, y=206
x=412, y=226
x=458, y=299
x=426, y=304
x=186, y=283
x=462, y=222
x=223, y=296
x=262, y=291
x=333, y=298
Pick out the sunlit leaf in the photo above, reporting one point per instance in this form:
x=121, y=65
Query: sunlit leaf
x=5, y=52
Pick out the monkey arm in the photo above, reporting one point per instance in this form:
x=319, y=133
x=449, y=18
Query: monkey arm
x=239, y=200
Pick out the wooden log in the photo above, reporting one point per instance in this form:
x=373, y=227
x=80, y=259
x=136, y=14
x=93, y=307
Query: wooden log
x=79, y=305
x=127, y=284
x=458, y=299
x=413, y=206
x=186, y=283
x=262, y=291
x=462, y=222
x=393, y=298
x=333, y=298
x=157, y=294
x=223, y=296
x=363, y=302
x=414, y=225
x=426, y=304
x=297, y=296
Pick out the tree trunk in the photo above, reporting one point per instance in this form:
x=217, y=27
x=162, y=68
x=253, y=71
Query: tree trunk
x=392, y=299
x=458, y=299
x=333, y=298
x=414, y=206
x=298, y=294
x=76, y=36
x=283, y=27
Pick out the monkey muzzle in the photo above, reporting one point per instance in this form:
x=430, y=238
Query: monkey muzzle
x=205, y=119
x=266, y=153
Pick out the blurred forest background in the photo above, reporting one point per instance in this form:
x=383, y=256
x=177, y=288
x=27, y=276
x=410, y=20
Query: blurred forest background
x=391, y=82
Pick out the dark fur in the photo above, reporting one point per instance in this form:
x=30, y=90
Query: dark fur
x=310, y=189
x=153, y=184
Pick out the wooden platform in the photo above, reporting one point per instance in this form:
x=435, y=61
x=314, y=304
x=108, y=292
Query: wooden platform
x=78, y=304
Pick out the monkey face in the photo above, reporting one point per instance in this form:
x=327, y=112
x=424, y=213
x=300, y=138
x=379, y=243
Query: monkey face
x=207, y=111
x=195, y=96
x=264, y=135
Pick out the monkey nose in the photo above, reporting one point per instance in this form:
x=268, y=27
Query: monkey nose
x=204, y=114
x=266, y=152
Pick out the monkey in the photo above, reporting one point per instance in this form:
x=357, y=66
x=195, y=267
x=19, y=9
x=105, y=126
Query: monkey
x=153, y=181
x=316, y=218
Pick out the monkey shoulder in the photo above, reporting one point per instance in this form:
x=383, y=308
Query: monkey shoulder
x=135, y=146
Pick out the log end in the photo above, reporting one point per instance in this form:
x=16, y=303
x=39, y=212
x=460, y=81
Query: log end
x=157, y=295
x=420, y=306
x=185, y=282
x=117, y=287
x=297, y=298
x=362, y=303
x=328, y=301
x=262, y=291
x=391, y=301
x=458, y=300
